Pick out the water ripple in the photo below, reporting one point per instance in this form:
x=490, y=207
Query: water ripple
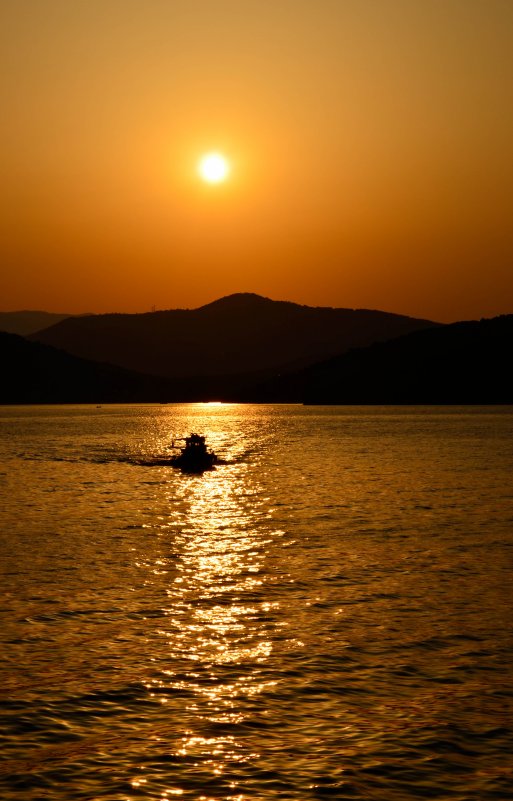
x=326, y=615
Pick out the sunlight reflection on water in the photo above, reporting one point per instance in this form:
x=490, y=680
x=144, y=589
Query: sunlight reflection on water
x=325, y=614
x=216, y=610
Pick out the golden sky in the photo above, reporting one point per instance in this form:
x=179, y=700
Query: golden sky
x=370, y=143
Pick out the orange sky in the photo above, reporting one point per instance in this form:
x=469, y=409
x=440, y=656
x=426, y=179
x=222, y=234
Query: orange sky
x=370, y=140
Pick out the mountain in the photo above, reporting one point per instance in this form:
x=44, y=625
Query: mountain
x=460, y=363
x=28, y=322
x=35, y=373
x=236, y=335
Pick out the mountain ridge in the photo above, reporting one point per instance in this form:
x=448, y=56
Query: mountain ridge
x=37, y=373
x=240, y=333
x=461, y=363
x=26, y=321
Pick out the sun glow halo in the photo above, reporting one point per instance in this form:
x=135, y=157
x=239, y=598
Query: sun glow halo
x=213, y=168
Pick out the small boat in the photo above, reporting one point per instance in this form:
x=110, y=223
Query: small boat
x=195, y=456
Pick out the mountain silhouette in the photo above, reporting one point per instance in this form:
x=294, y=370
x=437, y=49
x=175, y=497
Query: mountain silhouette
x=36, y=373
x=461, y=363
x=27, y=322
x=235, y=335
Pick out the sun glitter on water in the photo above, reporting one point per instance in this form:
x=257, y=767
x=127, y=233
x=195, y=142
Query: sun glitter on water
x=213, y=168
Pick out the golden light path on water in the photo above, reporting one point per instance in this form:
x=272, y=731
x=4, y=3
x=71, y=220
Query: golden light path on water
x=325, y=614
x=218, y=623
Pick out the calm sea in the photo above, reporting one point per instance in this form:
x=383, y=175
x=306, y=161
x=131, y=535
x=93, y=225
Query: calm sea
x=328, y=614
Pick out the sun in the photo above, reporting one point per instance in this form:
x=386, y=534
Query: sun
x=213, y=168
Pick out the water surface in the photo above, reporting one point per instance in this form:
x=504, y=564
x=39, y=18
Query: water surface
x=325, y=615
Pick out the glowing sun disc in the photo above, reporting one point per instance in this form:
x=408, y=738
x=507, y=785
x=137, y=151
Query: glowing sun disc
x=213, y=168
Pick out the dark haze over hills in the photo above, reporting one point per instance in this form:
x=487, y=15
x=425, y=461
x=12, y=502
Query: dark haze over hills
x=28, y=322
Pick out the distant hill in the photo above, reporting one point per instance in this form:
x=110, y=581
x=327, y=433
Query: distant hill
x=28, y=322
x=36, y=373
x=461, y=363
x=236, y=335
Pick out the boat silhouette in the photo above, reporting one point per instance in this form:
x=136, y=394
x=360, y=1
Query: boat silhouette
x=194, y=457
